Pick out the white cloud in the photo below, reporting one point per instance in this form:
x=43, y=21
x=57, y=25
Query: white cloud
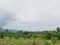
x=32, y=14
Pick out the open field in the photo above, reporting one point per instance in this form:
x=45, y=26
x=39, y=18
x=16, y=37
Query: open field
x=25, y=42
x=20, y=42
x=30, y=38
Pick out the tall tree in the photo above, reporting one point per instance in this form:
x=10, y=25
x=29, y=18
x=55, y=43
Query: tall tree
x=0, y=29
x=58, y=29
x=7, y=30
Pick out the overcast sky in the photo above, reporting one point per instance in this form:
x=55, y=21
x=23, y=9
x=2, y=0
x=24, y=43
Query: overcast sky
x=31, y=15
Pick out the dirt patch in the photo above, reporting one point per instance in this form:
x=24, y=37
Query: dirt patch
x=57, y=43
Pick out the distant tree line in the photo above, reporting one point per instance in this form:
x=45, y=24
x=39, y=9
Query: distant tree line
x=30, y=35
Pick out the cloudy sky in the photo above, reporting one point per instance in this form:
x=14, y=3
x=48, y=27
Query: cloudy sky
x=31, y=15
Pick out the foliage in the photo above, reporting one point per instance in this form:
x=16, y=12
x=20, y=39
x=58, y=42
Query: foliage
x=30, y=35
x=48, y=36
x=46, y=43
x=58, y=29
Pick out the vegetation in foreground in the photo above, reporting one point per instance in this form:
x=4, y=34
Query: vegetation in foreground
x=30, y=38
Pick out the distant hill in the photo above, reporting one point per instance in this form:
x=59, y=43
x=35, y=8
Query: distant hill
x=10, y=30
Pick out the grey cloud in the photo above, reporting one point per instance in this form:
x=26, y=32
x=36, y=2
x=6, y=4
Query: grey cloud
x=5, y=17
x=30, y=14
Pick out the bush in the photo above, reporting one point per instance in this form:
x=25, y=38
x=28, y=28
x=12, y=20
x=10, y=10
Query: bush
x=46, y=43
x=48, y=36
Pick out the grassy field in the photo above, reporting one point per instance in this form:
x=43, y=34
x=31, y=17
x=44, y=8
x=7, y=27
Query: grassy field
x=26, y=42
x=20, y=42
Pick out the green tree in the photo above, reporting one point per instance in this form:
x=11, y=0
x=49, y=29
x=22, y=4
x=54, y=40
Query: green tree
x=7, y=30
x=0, y=29
x=1, y=33
x=58, y=29
x=48, y=36
x=58, y=36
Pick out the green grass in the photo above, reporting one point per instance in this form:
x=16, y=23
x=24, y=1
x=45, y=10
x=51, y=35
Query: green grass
x=12, y=41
